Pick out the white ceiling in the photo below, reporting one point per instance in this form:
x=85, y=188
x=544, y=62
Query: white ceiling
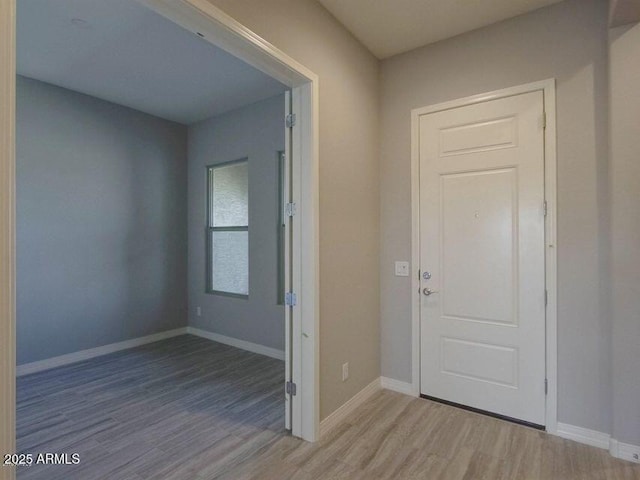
x=120, y=51
x=389, y=27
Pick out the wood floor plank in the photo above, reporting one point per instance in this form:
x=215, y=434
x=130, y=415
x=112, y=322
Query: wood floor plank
x=160, y=410
x=187, y=408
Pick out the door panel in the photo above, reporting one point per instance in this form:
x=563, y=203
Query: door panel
x=287, y=269
x=478, y=137
x=482, y=241
x=480, y=361
x=477, y=235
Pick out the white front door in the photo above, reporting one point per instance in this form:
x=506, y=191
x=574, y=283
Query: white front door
x=482, y=313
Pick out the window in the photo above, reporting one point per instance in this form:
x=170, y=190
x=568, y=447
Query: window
x=228, y=228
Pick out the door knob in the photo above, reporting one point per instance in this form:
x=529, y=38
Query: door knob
x=428, y=291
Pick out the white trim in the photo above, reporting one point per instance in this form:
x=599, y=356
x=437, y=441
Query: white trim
x=584, y=435
x=625, y=451
x=306, y=276
x=235, y=342
x=345, y=411
x=614, y=447
x=289, y=399
x=397, y=386
x=617, y=449
x=49, y=363
x=548, y=88
x=551, y=253
x=222, y=30
x=415, y=254
x=486, y=97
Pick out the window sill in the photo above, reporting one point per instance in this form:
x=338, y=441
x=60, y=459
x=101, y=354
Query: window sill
x=227, y=294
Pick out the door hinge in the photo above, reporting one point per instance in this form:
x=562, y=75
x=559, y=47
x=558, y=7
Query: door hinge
x=544, y=208
x=290, y=209
x=290, y=388
x=544, y=120
x=290, y=120
x=546, y=386
x=290, y=299
x=546, y=298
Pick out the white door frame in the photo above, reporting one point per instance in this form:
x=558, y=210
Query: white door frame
x=200, y=17
x=549, y=91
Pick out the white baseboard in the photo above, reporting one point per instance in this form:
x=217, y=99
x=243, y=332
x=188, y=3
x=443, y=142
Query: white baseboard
x=49, y=363
x=348, y=408
x=74, y=357
x=234, y=342
x=584, y=435
x=624, y=451
x=397, y=386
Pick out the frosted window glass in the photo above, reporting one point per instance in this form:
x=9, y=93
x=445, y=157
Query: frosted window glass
x=229, y=196
x=230, y=261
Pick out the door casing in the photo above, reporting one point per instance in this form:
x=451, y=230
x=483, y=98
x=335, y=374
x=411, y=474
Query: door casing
x=550, y=169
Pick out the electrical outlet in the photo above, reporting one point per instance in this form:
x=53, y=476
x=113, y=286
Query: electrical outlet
x=199, y=311
x=345, y=371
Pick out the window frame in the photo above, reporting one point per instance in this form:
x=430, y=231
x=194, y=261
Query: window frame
x=209, y=229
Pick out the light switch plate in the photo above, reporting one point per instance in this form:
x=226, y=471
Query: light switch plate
x=402, y=269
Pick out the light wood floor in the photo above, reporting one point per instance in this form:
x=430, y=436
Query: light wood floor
x=188, y=409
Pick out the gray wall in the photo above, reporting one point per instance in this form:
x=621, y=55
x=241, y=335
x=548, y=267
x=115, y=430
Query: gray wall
x=101, y=222
x=567, y=41
x=625, y=223
x=256, y=132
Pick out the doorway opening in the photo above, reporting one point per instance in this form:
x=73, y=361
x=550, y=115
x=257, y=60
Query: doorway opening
x=300, y=273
